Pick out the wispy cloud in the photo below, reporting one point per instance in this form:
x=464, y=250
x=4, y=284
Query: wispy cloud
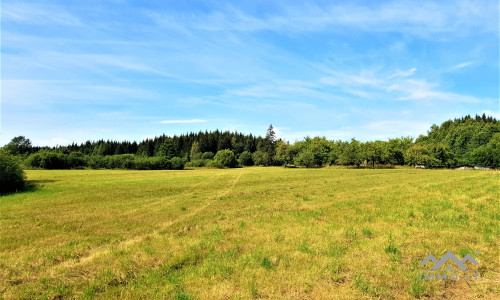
x=421, y=90
x=461, y=65
x=421, y=18
x=182, y=121
x=403, y=73
x=37, y=14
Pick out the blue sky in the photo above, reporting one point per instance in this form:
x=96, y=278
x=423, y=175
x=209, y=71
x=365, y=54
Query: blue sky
x=127, y=70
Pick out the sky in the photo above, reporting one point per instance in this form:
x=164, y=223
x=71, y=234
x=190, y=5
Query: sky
x=73, y=71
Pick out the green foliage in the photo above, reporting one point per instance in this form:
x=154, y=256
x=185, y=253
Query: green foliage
x=396, y=149
x=284, y=153
x=211, y=164
x=151, y=163
x=167, y=149
x=47, y=159
x=19, y=145
x=225, y=159
x=488, y=154
x=352, y=154
x=376, y=153
x=268, y=146
x=207, y=155
x=195, y=151
x=261, y=158
x=12, y=177
x=313, y=152
x=197, y=163
x=55, y=160
x=177, y=163
x=305, y=158
x=466, y=141
x=429, y=155
x=245, y=158
x=75, y=160
x=463, y=136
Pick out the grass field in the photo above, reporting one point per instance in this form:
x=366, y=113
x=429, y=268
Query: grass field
x=247, y=233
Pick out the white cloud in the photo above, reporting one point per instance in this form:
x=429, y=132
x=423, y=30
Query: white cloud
x=403, y=73
x=182, y=121
x=461, y=65
x=422, y=90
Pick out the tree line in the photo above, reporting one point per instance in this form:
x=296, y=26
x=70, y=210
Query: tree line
x=465, y=141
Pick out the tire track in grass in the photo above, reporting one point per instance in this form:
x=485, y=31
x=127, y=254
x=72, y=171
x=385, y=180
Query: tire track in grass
x=162, y=199
x=134, y=240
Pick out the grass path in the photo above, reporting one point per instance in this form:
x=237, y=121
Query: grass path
x=105, y=250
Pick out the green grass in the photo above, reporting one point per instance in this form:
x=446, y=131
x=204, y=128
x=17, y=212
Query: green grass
x=247, y=233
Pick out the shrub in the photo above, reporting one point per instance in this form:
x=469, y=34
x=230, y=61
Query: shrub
x=261, y=158
x=160, y=163
x=33, y=160
x=122, y=161
x=245, y=159
x=50, y=160
x=12, y=177
x=152, y=163
x=96, y=162
x=75, y=160
x=225, y=159
x=211, y=164
x=207, y=155
x=177, y=163
x=197, y=163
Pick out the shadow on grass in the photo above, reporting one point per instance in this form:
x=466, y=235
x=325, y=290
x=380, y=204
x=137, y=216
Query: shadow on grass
x=29, y=187
x=37, y=182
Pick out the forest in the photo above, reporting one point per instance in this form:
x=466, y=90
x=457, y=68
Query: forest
x=465, y=141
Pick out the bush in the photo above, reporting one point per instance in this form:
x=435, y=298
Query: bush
x=12, y=177
x=33, y=160
x=177, y=163
x=197, y=163
x=211, y=164
x=225, y=159
x=96, y=162
x=76, y=160
x=160, y=163
x=54, y=160
x=48, y=160
x=261, y=158
x=207, y=155
x=152, y=163
x=245, y=159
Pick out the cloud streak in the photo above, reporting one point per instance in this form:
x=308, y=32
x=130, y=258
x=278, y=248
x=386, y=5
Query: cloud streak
x=419, y=18
x=461, y=65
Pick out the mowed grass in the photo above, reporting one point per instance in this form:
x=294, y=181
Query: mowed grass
x=247, y=233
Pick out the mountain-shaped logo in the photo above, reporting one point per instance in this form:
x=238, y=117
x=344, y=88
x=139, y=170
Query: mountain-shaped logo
x=449, y=255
